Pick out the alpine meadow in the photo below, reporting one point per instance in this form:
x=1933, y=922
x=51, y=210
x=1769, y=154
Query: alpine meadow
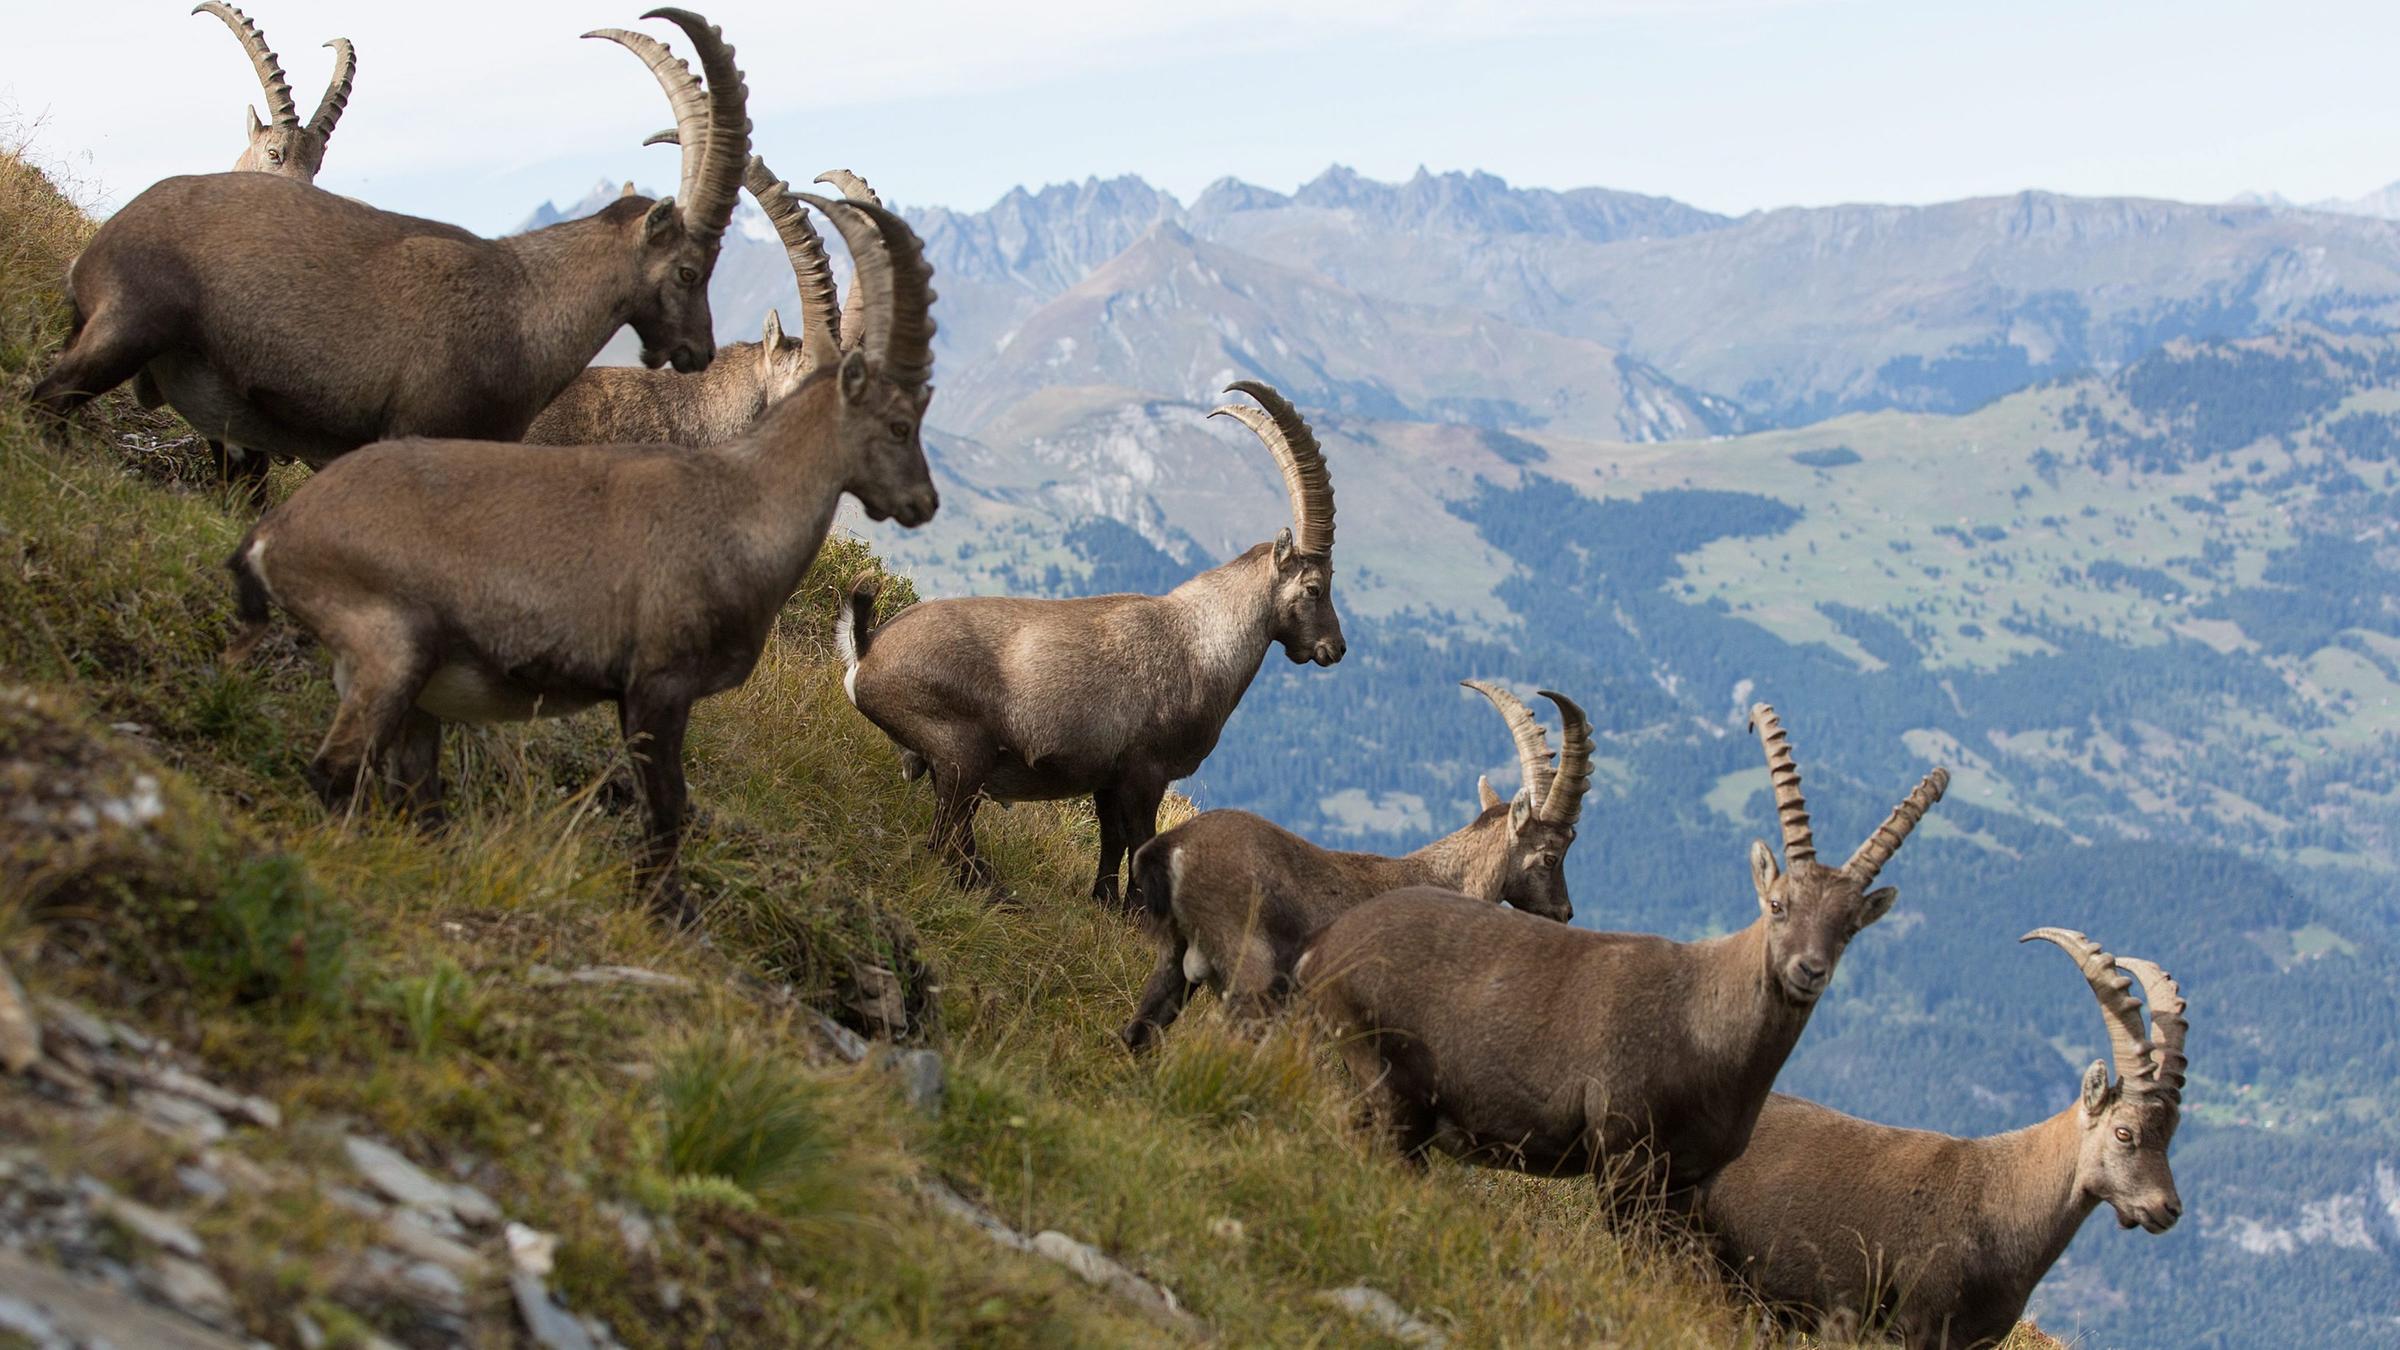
x=758, y=762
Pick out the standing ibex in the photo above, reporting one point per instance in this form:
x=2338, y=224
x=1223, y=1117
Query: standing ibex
x=281, y=145
x=287, y=320
x=1114, y=695
x=1941, y=1240
x=608, y=405
x=1235, y=898
x=465, y=581
x=1514, y=1041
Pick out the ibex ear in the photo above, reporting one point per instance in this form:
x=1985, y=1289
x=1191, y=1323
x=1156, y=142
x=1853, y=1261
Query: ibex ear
x=1763, y=871
x=774, y=338
x=1520, y=811
x=1485, y=796
x=2096, y=1090
x=255, y=126
x=660, y=220
x=1283, y=547
x=854, y=376
x=1875, y=904
x=924, y=399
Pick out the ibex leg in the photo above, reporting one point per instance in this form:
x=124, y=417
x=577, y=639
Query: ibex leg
x=1138, y=801
x=414, y=766
x=1107, y=809
x=654, y=725
x=1162, y=999
x=379, y=670
x=957, y=791
x=106, y=351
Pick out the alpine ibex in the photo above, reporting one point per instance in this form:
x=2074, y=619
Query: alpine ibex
x=466, y=581
x=1940, y=1240
x=1235, y=898
x=281, y=145
x=1114, y=695
x=1512, y=1041
x=287, y=320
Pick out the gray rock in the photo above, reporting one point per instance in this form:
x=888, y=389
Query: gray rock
x=256, y=1110
x=922, y=1084
x=180, y=1117
x=551, y=1326
x=203, y=1185
x=1099, y=1269
x=84, y=1313
x=437, y=1285
x=154, y=1226
x=845, y=1042
x=406, y=1183
x=625, y=975
x=69, y=1020
x=1382, y=1312
x=194, y=1288
x=409, y=1234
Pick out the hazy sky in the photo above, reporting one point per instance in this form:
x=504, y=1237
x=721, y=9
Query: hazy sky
x=474, y=113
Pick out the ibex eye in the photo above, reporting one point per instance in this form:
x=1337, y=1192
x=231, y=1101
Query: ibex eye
x=2124, y=1136
x=687, y=275
x=900, y=430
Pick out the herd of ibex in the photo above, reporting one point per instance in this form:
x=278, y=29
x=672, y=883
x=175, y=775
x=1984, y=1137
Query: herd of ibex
x=498, y=530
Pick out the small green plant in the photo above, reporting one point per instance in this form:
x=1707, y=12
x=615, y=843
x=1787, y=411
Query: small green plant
x=438, y=1009
x=731, y=1115
x=271, y=938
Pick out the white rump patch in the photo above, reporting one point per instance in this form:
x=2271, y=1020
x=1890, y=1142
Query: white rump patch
x=1195, y=964
x=850, y=676
x=258, y=566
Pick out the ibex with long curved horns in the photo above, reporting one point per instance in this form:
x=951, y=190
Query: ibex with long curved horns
x=1512, y=1041
x=283, y=144
x=1235, y=898
x=1114, y=695
x=612, y=404
x=287, y=320
x=465, y=581
x=1851, y=1225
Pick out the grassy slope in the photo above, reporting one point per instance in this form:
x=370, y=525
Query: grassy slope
x=358, y=971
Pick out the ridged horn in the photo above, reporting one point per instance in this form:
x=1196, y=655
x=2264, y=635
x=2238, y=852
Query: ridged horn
x=1533, y=743
x=2167, y=1025
x=891, y=270
x=1563, y=803
x=856, y=189
x=337, y=90
x=820, y=313
x=708, y=198
x=1486, y=797
x=1799, y=841
x=2127, y=1045
x=1893, y=832
x=1303, y=462
x=684, y=96
x=280, y=109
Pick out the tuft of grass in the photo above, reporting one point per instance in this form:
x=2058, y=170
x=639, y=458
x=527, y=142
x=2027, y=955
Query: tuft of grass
x=271, y=938
x=738, y=1122
x=1212, y=1071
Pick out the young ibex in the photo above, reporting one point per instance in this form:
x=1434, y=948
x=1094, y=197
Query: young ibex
x=1512, y=1041
x=289, y=321
x=609, y=405
x=1939, y=1240
x=1114, y=695
x=466, y=581
x=282, y=145
x=1235, y=898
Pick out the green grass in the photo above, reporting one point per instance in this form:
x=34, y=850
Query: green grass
x=351, y=969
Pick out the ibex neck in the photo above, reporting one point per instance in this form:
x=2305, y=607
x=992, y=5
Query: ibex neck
x=579, y=283
x=1741, y=1017
x=792, y=476
x=1227, y=614
x=2028, y=1206
x=1454, y=861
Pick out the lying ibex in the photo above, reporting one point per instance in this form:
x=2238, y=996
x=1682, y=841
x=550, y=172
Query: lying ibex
x=466, y=581
x=1513, y=1041
x=1235, y=899
x=1939, y=1240
x=1114, y=695
x=282, y=145
x=287, y=320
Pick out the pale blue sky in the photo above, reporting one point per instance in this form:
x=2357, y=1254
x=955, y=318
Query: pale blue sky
x=474, y=116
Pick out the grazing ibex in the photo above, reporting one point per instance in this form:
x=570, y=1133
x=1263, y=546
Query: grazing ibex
x=289, y=321
x=282, y=145
x=1939, y=1240
x=466, y=581
x=609, y=405
x=1235, y=898
x=1512, y=1041
x=1114, y=695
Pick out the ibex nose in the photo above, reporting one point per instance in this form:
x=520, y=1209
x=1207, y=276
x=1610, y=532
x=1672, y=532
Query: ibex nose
x=1811, y=970
x=1330, y=651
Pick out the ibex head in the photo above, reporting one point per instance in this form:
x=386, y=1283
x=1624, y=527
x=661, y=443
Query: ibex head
x=1538, y=824
x=2128, y=1123
x=1811, y=910
x=677, y=238
x=281, y=145
x=886, y=380
x=1305, y=621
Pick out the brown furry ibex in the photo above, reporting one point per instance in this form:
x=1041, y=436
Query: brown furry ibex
x=1513, y=1041
x=1235, y=898
x=287, y=320
x=1114, y=695
x=282, y=144
x=466, y=581
x=1855, y=1226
